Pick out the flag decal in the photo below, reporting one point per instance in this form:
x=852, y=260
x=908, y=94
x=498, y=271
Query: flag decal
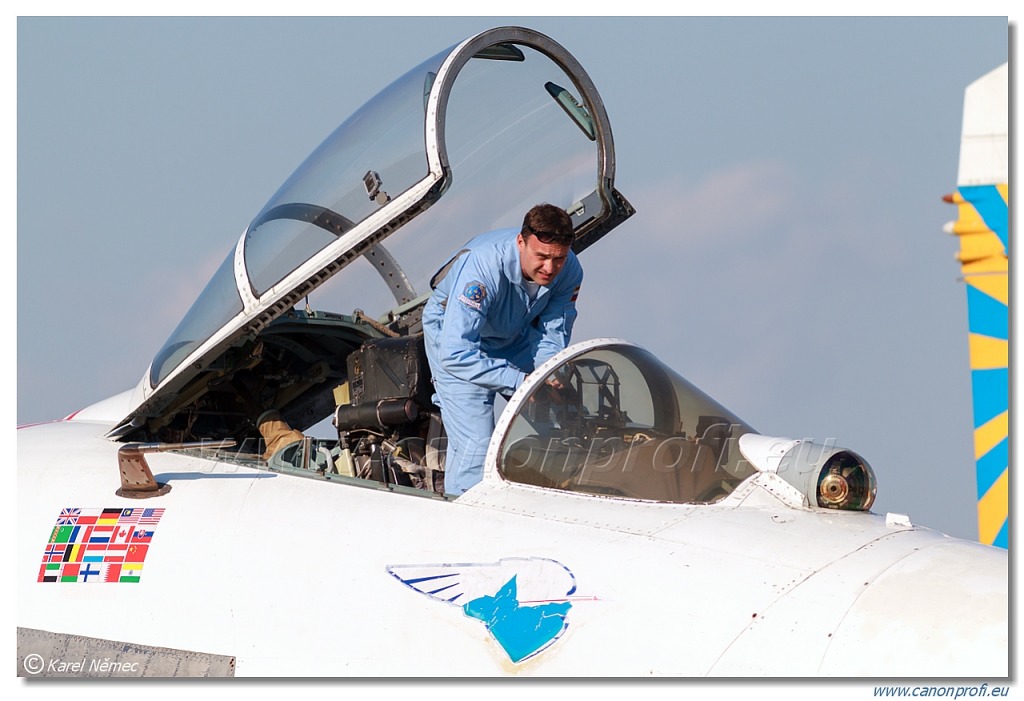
x=99, y=545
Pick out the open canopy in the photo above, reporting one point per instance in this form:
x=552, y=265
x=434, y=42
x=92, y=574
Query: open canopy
x=465, y=142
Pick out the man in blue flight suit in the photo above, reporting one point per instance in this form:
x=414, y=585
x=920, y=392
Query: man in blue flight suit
x=501, y=307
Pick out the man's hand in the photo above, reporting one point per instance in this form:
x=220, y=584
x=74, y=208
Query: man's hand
x=554, y=390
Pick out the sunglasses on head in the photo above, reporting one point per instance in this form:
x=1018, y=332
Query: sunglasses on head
x=551, y=238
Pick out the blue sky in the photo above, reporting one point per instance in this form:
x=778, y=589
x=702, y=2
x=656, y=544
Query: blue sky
x=787, y=255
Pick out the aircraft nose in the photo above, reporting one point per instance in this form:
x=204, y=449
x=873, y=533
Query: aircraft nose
x=913, y=603
x=941, y=611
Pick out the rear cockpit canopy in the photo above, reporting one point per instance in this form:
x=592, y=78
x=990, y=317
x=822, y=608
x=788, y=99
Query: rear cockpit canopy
x=607, y=418
x=465, y=142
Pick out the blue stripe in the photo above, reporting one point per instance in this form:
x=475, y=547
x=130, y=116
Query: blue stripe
x=992, y=209
x=985, y=315
x=425, y=579
x=438, y=591
x=992, y=465
x=990, y=389
x=1003, y=539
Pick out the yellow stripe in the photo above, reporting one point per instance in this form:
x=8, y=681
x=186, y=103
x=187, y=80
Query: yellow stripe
x=74, y=553
x=993, y=509
x=997, y=264
x=988, y=436
x=968, y=219
x=965, y=227
x=1004, y=190
x=995, y=286
x=988, y=353
x=980, y=245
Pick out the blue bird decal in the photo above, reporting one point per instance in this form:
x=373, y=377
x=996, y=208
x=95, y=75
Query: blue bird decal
x=490, y=593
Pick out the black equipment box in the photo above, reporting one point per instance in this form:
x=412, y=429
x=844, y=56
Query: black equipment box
x=390, y=368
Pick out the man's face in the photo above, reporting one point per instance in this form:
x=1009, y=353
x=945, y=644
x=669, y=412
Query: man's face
x=541, y=262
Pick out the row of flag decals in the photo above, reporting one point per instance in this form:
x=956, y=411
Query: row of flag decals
x=99, y=545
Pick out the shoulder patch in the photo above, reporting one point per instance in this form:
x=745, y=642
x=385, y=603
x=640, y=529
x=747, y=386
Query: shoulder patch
x=474, y=294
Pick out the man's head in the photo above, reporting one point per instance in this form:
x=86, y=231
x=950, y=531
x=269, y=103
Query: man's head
x=544, y=243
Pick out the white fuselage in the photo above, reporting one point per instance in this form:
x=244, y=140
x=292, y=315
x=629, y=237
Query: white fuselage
x=291, y=576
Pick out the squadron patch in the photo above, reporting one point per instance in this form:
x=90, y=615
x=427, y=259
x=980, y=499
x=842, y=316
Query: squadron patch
x=474, y=295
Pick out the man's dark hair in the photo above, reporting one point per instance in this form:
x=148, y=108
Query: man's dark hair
x=550, y=224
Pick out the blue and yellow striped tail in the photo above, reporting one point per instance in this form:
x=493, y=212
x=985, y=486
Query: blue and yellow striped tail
x=982, y=227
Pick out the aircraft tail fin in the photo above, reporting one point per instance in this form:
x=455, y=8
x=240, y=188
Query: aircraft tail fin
x=982, y=227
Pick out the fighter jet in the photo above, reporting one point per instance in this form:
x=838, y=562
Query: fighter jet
x=627, y=525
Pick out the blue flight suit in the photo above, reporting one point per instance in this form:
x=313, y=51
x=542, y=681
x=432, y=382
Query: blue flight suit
x=483, y=335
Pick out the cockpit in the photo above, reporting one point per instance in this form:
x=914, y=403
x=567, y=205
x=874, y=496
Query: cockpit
x=463, y=143
x=613, y=420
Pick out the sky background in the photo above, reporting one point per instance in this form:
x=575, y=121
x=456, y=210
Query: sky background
x=787, y=255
